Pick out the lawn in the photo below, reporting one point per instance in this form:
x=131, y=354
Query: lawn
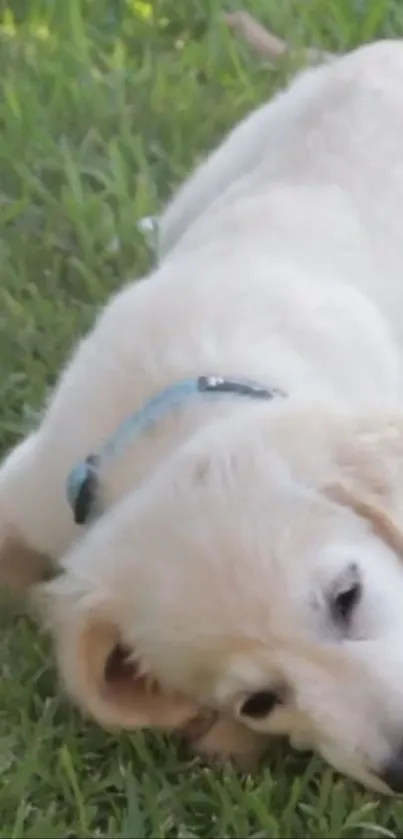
x=105, y=106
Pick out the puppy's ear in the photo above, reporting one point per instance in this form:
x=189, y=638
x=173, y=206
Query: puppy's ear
x=108, y=680
x=369, y=475
x=112, y=685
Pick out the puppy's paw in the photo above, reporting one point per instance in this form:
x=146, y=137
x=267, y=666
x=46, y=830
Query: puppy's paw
x=220, y=740
x=20, y=566
x=301, y=741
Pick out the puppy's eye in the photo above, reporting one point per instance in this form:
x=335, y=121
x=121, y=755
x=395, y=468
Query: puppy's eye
x=347, y=595
x=260, y=704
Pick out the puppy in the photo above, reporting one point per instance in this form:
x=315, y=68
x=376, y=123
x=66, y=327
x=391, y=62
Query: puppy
x=241, y=573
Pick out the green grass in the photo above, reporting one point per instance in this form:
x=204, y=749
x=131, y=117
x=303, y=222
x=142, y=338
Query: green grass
x=104, y=107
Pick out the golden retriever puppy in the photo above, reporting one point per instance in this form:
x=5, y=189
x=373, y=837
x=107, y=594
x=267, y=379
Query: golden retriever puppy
x=230, y=433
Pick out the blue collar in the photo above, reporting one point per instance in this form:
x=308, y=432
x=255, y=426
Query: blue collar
x=83, y=483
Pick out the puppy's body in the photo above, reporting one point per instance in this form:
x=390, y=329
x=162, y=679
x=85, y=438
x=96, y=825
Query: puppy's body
x=291, y=273
x=282, y=260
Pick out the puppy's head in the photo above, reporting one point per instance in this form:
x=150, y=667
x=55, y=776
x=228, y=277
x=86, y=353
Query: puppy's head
x=259, y=573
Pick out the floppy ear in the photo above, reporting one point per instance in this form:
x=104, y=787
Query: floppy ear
x=107, y=681
x=100, y=674
x=369, y=475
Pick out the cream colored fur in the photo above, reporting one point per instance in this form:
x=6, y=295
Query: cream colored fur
x=230, y=526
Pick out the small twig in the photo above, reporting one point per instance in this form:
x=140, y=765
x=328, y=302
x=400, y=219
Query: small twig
x=266, y=44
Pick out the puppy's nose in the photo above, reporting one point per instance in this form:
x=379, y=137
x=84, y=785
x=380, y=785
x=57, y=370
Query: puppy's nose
x=392, y=773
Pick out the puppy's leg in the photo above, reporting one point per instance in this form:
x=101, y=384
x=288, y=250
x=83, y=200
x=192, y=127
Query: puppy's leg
x=98, y=388
x=36, y=523
x=22, y=562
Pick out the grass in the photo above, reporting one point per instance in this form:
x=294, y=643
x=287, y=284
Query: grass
x=104, y=107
